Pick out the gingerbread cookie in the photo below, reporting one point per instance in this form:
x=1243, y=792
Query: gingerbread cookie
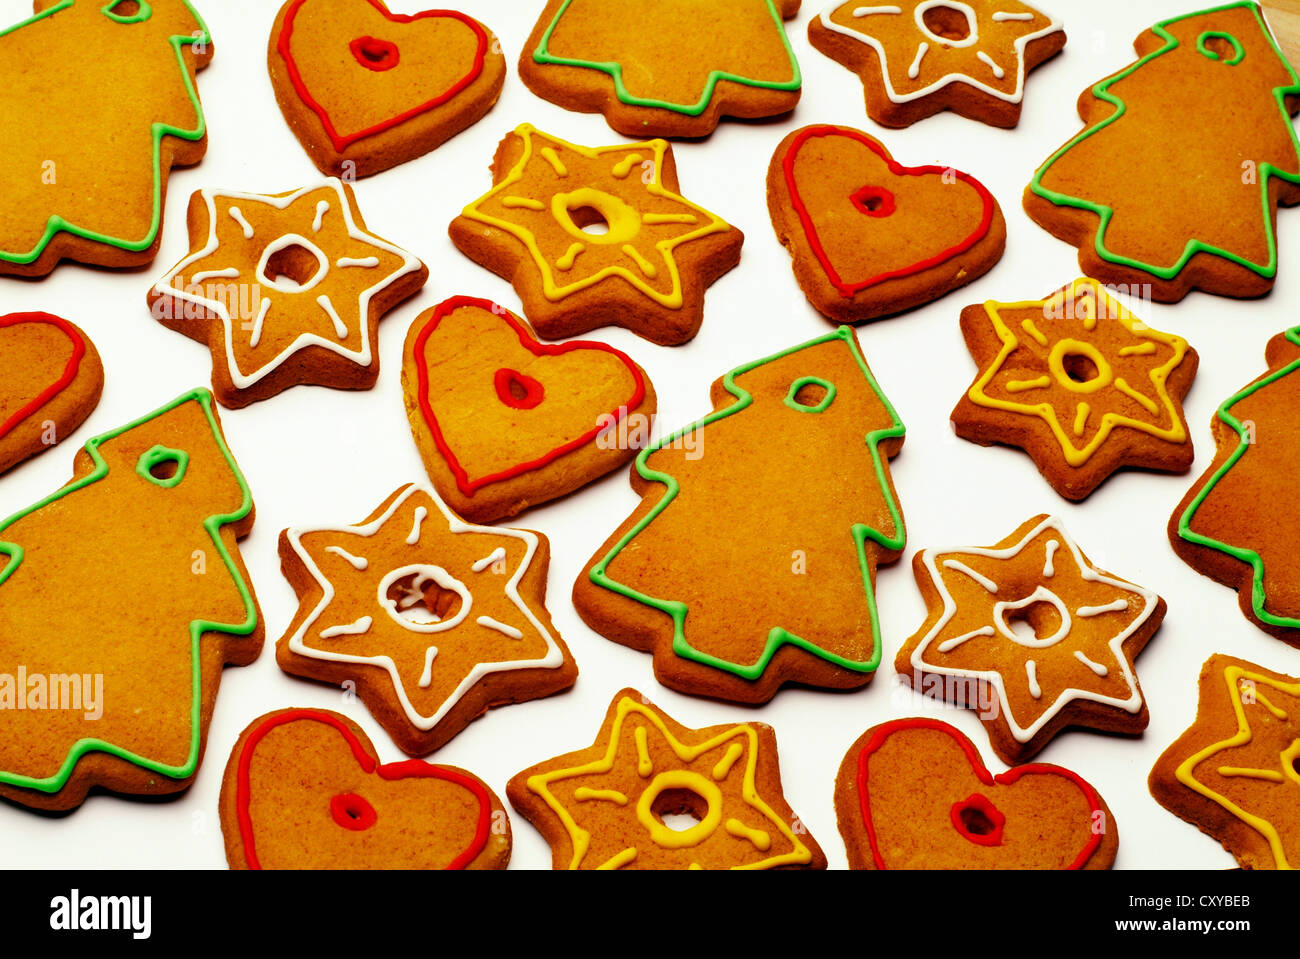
x=1235, y=772
x=917, y=58
x=871, y=237
x=673, y=68
x=365, y=89
x=751, y=561
x=504, y=422
x=304, y=789
x=1236, y=524
x=52, y=382
x=609, y=806
x=1080, y=384
x=86, y=170
x=1197, y=212
x=1031, y=635
x=914, y=794
x=284, y=289
x=142, y=540
x=433, y=619
x=537, y=228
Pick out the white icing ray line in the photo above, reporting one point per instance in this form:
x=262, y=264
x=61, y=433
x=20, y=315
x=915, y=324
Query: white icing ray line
x=1023, y=733
x=321, y=209
x=553, y=658
x=362, y=625
x=1116, y=607
x=872, y=11
x=1049, y=569
x=948, y=645
x=1097, y=668
x=495, y=556
x=992, y=64
x=1031, y=673
x=358, y=562
x=426, y=677
x=229, y=273
x=914, y=70
x=420, y=515
x=238, y=216
x=340, y=328
x=262, y=310
x=959, y=567
x=367, y=262
x=1001, y=16
x=489, y=623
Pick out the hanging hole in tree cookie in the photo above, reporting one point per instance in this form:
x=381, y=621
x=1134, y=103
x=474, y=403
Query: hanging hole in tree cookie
x=128, y=11
x=810, y=394
x=949, y=23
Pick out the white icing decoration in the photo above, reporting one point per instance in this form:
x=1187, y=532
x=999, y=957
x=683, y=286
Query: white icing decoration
x=1031, y=674
x=322, y=208
x=1132, y=703
x=424, y=573
x=420, y=514
x=1049, y=569
x=948, y=645
x=358, y=562
x=361, y=626
x=362, y=355
x=914, y=70
x=872, y=11
x=972, y=23
x=1119, y=606
x=282, y=284
x=993, y=65
x=262, y=310
x=1001, y=16
x=340, y=328
x=229, y=273
x=368, y=262
x=1015, y=96
x=1040, y=595
x=426, y=677
x=496, y=556
x=489, y=623
x=959, y=567
x=552, y=659
x=1097, y=668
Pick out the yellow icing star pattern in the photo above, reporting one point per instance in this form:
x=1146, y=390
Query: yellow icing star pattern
x=645, y=761
x=560, y=183
x=1050, y=367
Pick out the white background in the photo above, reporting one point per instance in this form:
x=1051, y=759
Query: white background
x=317, y=456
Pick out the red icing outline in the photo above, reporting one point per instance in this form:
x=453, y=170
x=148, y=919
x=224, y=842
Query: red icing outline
x=69, y=371
x=388, y=52
x=981, y=803
x=981, y=771
x=404, y=769
x=343, y=141
x=463, y=482
x=534, y=392
x=810, y=229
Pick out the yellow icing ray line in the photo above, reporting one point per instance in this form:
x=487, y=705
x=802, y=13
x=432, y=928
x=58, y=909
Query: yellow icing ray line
x=757, y=837
x=570, y=256
x=1140, y=349
x=1032, y=329
x=1081, y=418
x=724, y=765
x=1268, y=775
x=645, y=265
x=583, y=794
x=522, y=203
x=658, y=219
x=643, y=764
x=553, y=158
x=619, y=861
x=1122, y=385
x=1021, y=386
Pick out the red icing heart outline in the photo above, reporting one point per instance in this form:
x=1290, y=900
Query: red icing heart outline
x=466, y=485
x=343, y=141
x=404, y=769
x=810, y=228
x=1008, y=778
x=69, y=370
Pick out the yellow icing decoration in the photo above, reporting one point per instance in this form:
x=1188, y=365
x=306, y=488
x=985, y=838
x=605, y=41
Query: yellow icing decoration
x=583, y=794
x=761, y=840
x=667, y=838
x=723, y=768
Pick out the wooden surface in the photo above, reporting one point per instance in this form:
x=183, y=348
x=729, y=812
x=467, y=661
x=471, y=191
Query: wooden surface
x=1284, y=18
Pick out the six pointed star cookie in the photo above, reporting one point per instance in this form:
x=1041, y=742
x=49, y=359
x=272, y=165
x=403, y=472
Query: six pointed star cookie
x=434, y=619
x=1033, y=636
x=597, y=236
x=609, y=806
x=285, y=289
x=917, y=58
x=1235, y=772
x=1078, y=382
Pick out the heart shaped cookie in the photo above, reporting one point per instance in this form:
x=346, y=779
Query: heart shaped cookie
x=365, y=89
x=51, y=382
x=871, y=237
x=304, y=790
x=914, y=794
x=504, y=421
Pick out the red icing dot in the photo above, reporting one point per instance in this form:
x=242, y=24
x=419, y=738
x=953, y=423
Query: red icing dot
x=352, y=812
x=375, y=54
x=874, y=201
x=518, y=390
x=978, y=820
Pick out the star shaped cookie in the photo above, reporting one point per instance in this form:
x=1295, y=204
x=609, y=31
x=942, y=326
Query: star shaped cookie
x=1081, y=384
x=1235, y=772
x=917, y=58
x=653, y=794
x=434, y=619
x=597, y=237
x=1033, y=636
x=285, y=289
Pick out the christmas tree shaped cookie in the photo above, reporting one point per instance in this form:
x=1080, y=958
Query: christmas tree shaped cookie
x=99, y=103
x=1238, y=524
x=751, y=560
x=1175, y=182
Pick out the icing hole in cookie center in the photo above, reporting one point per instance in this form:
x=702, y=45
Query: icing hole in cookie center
x=352, y=812
x=874, y=201
x=810, y=394
x=1221, y=47
x=128, y=11
x=947, y=22
x=590, y=221
x=1079, y=366
x=1038, y=620
x=978, y=820
x=421, y=600
x=680, y=808
x=292, y=264
x=1035, y=621
x=595, y=216
x=375, y=54
x=518, y=390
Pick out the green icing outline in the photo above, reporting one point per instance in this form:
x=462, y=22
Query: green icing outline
x=803, y=381
x=198, y=627
x=163, y=454
x=543, y=56
x=140, y=16
x=1249, y=556
x=1206, y=52
x=57, y=224
x=1102, y=92
x=777, y=637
